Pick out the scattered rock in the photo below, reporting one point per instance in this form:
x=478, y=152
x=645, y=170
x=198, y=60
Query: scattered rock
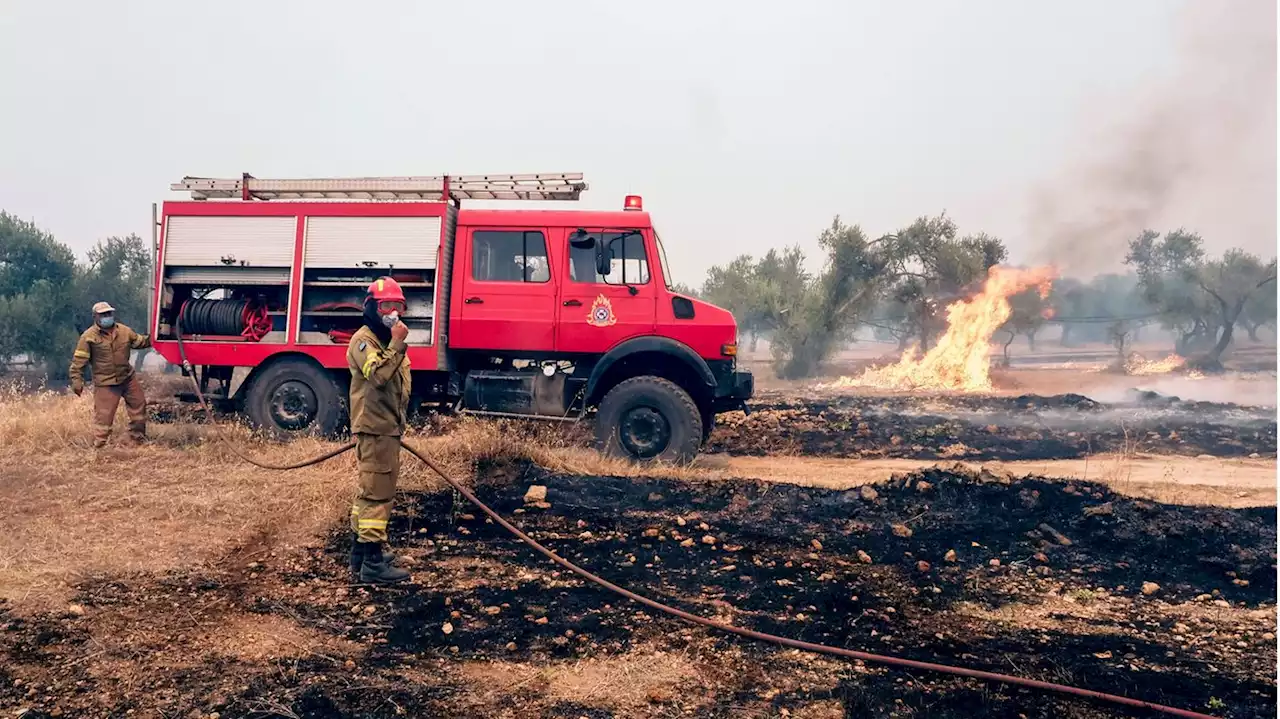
x=370, y=610
x=680, y=521
x=536, y=493
x=1041, y=557
x=1043, y=570
x=817, y=546
x=1101, y=510
x=1268, y=636
x=492, y=610
x=950, y=556
x=868, y=493
x=864, y=557
x=511, y=646
x=447, y=628
x=1102, y=655
x=540, y=620
x=660, y=695
x=467, y=517
x=586, y=535
x=1149, y=588
x=1058, y=537
x=1221, y=603
x=923, y=486
x=901, y=530
x=651, y=532
x=687, y=543
x=75, y=610
x=922, y=566
x=708, y=539
x=655, y=497
x=1240, y=582
x=994, y=562
x=1203, y=597
x=542, y=505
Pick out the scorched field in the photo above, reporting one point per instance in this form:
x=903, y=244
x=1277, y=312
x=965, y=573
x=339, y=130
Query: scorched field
x=1127, y=547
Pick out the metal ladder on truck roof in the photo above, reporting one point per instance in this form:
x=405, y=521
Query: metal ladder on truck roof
x=547, y=186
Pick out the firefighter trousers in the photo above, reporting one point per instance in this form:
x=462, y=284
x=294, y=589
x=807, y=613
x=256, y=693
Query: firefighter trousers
x=105, y=402
x=378, y=461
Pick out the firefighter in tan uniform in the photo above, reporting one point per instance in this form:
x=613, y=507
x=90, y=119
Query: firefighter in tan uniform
x=380, y=387
x=105, y=348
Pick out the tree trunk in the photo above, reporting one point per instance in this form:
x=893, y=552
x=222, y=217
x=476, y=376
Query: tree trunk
x=904, y=341
x=1031, y=340
x=1065, y=339
x=1252, y=329
x=1228, y=326
x=1012, y=337
x=753, y=340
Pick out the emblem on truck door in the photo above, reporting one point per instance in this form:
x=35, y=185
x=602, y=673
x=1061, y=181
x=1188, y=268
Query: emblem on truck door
x=601, y=314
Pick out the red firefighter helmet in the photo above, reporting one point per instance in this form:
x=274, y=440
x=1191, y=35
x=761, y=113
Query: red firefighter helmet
x=387, y=293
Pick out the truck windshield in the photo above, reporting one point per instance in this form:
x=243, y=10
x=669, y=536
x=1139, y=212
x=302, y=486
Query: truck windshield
x=662, y=257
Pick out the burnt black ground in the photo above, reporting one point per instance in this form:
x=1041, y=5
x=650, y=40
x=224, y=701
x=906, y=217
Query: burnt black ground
x=763, y=571
x=1005, y=428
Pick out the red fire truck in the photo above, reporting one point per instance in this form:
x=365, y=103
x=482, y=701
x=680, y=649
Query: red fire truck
x=542, y=313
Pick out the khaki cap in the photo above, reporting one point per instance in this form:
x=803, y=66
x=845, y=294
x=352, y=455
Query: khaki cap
x=101, y=307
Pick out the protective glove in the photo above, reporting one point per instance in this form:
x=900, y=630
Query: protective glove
x=399, y=331
x=78, y=388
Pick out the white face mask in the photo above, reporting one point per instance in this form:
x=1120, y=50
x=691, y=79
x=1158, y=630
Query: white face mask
x=390, y=320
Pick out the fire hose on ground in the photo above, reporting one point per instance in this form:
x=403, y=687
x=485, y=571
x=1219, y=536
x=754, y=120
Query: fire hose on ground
x=686, y=616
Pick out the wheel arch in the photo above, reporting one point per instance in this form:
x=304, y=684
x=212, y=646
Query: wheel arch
x=259, y=369
x=658, y=356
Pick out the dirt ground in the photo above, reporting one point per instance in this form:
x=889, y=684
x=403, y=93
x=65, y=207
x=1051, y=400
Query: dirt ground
x=1137, y=557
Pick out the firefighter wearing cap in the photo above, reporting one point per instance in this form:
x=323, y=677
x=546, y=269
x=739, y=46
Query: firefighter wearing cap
x=380, y=384
x=105, y=348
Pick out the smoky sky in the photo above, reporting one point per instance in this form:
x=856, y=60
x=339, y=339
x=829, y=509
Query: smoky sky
x=744, y=126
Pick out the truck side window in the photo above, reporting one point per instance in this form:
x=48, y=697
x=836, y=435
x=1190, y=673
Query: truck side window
x=509, y=256
x=630, y=265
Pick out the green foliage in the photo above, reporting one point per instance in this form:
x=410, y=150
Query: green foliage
x=1199, y=298
x=1097, y=305
x=38, y=291
x=931, y=268
x=46, y=299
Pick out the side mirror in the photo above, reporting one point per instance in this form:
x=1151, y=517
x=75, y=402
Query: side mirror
x=604, y=260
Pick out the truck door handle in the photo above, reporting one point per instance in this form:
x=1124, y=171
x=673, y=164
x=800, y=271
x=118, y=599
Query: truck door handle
x=473, y=301
x=572, y=303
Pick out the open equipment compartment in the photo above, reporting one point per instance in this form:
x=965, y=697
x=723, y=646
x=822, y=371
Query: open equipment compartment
x=232, y=271
x=343, y=255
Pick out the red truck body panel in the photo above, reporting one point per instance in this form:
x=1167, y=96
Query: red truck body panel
x=556, y=316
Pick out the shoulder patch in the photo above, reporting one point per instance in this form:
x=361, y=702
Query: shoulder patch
x=362, y=345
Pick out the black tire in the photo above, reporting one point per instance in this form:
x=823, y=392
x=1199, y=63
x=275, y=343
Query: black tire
x=649, y=419
x=708, y=425
x=294, y=397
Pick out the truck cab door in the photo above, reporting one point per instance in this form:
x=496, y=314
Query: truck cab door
x=508, y=297
x=597, y=311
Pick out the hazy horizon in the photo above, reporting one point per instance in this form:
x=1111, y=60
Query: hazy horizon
x=1062, y=128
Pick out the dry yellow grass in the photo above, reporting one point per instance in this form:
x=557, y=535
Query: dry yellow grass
x=184, y=499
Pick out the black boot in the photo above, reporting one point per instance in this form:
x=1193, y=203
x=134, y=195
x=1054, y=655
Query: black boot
x=358, y=550
x=375, y=569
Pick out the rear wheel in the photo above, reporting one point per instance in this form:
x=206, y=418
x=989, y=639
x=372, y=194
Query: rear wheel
x=293, y=397
x=649, y=419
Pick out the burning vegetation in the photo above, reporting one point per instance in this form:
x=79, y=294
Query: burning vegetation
x=961, y=359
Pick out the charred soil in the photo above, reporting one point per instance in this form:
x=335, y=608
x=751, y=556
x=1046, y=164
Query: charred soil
x=1059, y=581
x=993, y=427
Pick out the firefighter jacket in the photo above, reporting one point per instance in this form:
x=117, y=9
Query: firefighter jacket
x=107, y=354
x=380, y=384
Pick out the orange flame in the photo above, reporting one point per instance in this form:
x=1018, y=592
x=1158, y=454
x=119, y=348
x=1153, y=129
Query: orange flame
x=1138, y=365
x=961, y=359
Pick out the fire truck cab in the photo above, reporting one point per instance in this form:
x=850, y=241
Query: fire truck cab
x=538, y=313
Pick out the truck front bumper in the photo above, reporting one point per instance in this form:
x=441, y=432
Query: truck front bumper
x=733, y=388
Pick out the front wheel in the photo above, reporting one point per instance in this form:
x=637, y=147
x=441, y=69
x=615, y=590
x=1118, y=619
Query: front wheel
x=293, y=397
x=649, y=419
